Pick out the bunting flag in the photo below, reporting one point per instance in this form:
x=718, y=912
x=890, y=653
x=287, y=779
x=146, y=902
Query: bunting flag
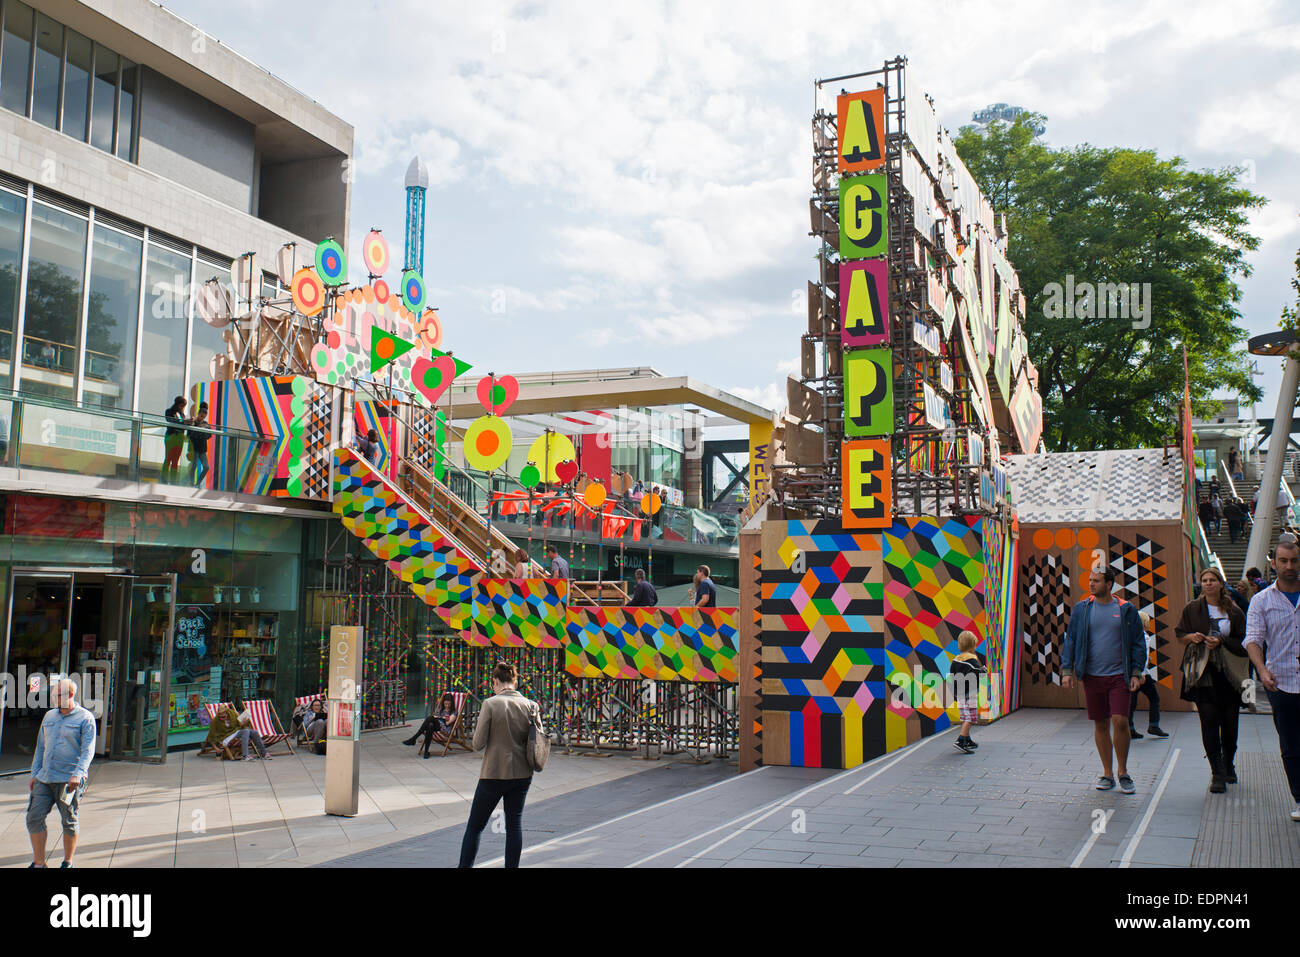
x=385, y=347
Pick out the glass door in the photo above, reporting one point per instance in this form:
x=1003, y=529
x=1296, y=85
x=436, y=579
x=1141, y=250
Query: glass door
x=143, y=709
x=40, y=614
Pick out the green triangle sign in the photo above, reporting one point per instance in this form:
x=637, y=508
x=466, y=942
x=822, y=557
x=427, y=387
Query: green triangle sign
x=461, y=367
x=385, y=347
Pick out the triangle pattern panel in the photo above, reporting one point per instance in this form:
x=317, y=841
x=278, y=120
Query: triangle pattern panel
x=1141, y=576
x=1045, y=581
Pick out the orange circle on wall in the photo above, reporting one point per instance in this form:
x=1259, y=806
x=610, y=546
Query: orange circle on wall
x=1042, y=539
x=487, y=443
x=1065, y=538
x=1088, y=538
x=385, y=348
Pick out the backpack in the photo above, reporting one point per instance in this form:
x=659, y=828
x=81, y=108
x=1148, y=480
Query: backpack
x=539, y=742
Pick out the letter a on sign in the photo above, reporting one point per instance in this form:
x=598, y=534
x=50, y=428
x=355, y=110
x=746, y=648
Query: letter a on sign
x=863, y=230
x=864, y=303
x=868, y=393
x=860, y=123
x=867, y=484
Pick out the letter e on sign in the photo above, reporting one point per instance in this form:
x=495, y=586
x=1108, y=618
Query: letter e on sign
x=866, y=469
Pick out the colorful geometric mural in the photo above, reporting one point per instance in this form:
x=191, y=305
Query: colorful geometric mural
x=823, y=665
x=1046, y=586
x=669, y=644
x=934, y=590
x=417, y=552
x=514, y=612
x=681, y=644
x=295, y=414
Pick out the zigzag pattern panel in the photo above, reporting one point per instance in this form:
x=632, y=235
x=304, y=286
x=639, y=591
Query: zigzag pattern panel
x=1141, y=575
x=934, y=589
x=416, y=551
x=1045, y=581
x=666, y=644
x=513, y=612
x=823, y=664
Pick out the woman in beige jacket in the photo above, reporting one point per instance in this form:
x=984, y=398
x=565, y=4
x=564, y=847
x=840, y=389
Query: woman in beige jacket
x=502, y=733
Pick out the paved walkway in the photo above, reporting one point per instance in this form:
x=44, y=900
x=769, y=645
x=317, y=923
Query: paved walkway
x=1024, y=799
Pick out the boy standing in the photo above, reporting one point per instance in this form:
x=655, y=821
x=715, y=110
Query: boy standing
x=965, y=671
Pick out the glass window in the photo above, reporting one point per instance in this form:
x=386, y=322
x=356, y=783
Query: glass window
x=166, y=314
x=111, y=319
x=16, y=57
x=12, y=209
x=49, y=64
x=105, y=97
x=76, y=85
x=54, y=277
x=207, y=341
x=126, y=110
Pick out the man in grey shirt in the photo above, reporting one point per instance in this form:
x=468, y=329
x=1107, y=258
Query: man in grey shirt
x=559, y=567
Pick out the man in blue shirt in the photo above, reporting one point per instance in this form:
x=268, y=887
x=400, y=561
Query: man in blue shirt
x=64, y=746
x=1105, y=645
x=559, y=567
x=706, y=596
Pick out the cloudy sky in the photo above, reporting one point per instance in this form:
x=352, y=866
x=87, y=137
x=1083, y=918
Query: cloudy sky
x=618, y=185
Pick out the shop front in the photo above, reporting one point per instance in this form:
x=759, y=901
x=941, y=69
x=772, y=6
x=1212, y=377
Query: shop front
x=155, y=611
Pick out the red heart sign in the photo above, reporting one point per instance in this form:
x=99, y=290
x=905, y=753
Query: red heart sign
x=498, y=394
x=566, y=471
x=432, y=377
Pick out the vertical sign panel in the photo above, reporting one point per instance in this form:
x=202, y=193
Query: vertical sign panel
x=864, y=232
x=860, y=123
x=343, y=751
x=867, y=484
x=868, y=393
x=760, y=460
x=864, y=303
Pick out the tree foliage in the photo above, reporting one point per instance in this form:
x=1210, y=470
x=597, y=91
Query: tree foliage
x=1120, y=216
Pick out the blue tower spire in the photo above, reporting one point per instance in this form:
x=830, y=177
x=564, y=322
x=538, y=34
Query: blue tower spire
x=417, y=183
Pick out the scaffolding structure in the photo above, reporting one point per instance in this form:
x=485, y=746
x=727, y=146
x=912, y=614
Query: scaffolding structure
x=934, y=471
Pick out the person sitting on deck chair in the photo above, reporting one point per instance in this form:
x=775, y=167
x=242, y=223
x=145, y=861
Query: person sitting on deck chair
x=439, y=722
x=229, y=725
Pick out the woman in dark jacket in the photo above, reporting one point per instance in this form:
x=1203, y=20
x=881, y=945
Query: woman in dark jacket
x=437, y=723
x=1213, y=625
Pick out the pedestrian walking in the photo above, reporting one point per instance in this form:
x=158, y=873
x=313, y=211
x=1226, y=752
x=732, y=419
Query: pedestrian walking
x=1216, y=503
x=199, y=445
x=502, y=735
x=1147, y=688
x=1106, y=647
x=174, y=439
x=1233, y=513
x=559, y=567
x=521, y=563
x=706, y=594
x=965, y=670
x=1212, y=628
x=1234, y=465
x=1205, y=512
x=1273, y=643
x=65, y=745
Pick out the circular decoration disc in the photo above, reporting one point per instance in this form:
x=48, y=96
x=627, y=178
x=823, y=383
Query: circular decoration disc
x=651, y=503
x=331, y=263
x=487, y=443
x=374, y=250
x=429, y=329
x=529, y=477
x=213, y=304
x=413, y=291
x=548, y=451
x=594, y=495
x=381, y=291
x=308, y=291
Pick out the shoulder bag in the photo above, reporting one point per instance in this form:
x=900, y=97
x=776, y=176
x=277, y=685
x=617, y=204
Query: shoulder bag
x=539, y=742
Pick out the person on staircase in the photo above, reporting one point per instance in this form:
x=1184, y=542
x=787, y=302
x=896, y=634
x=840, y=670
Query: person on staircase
x=1232, y=512
x=1212, y=629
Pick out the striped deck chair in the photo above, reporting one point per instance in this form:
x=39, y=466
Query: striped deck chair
x=267, y=723
x=218, y=751
x=456, y=735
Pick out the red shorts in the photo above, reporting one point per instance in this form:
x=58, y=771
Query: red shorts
x=1106, y=696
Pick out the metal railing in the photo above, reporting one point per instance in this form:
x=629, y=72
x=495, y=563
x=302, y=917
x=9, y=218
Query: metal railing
x=54, y=435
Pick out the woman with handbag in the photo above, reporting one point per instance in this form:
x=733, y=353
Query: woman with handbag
x=1214, y=669
x=502, y=733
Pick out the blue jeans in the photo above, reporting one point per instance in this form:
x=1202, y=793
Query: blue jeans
x=486, y=797
x=199, y=468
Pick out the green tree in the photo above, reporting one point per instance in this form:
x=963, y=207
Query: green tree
x=1291, y=314
x=1120, y=216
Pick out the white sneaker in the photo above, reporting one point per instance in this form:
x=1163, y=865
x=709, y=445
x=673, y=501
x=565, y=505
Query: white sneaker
x=1295, y=815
